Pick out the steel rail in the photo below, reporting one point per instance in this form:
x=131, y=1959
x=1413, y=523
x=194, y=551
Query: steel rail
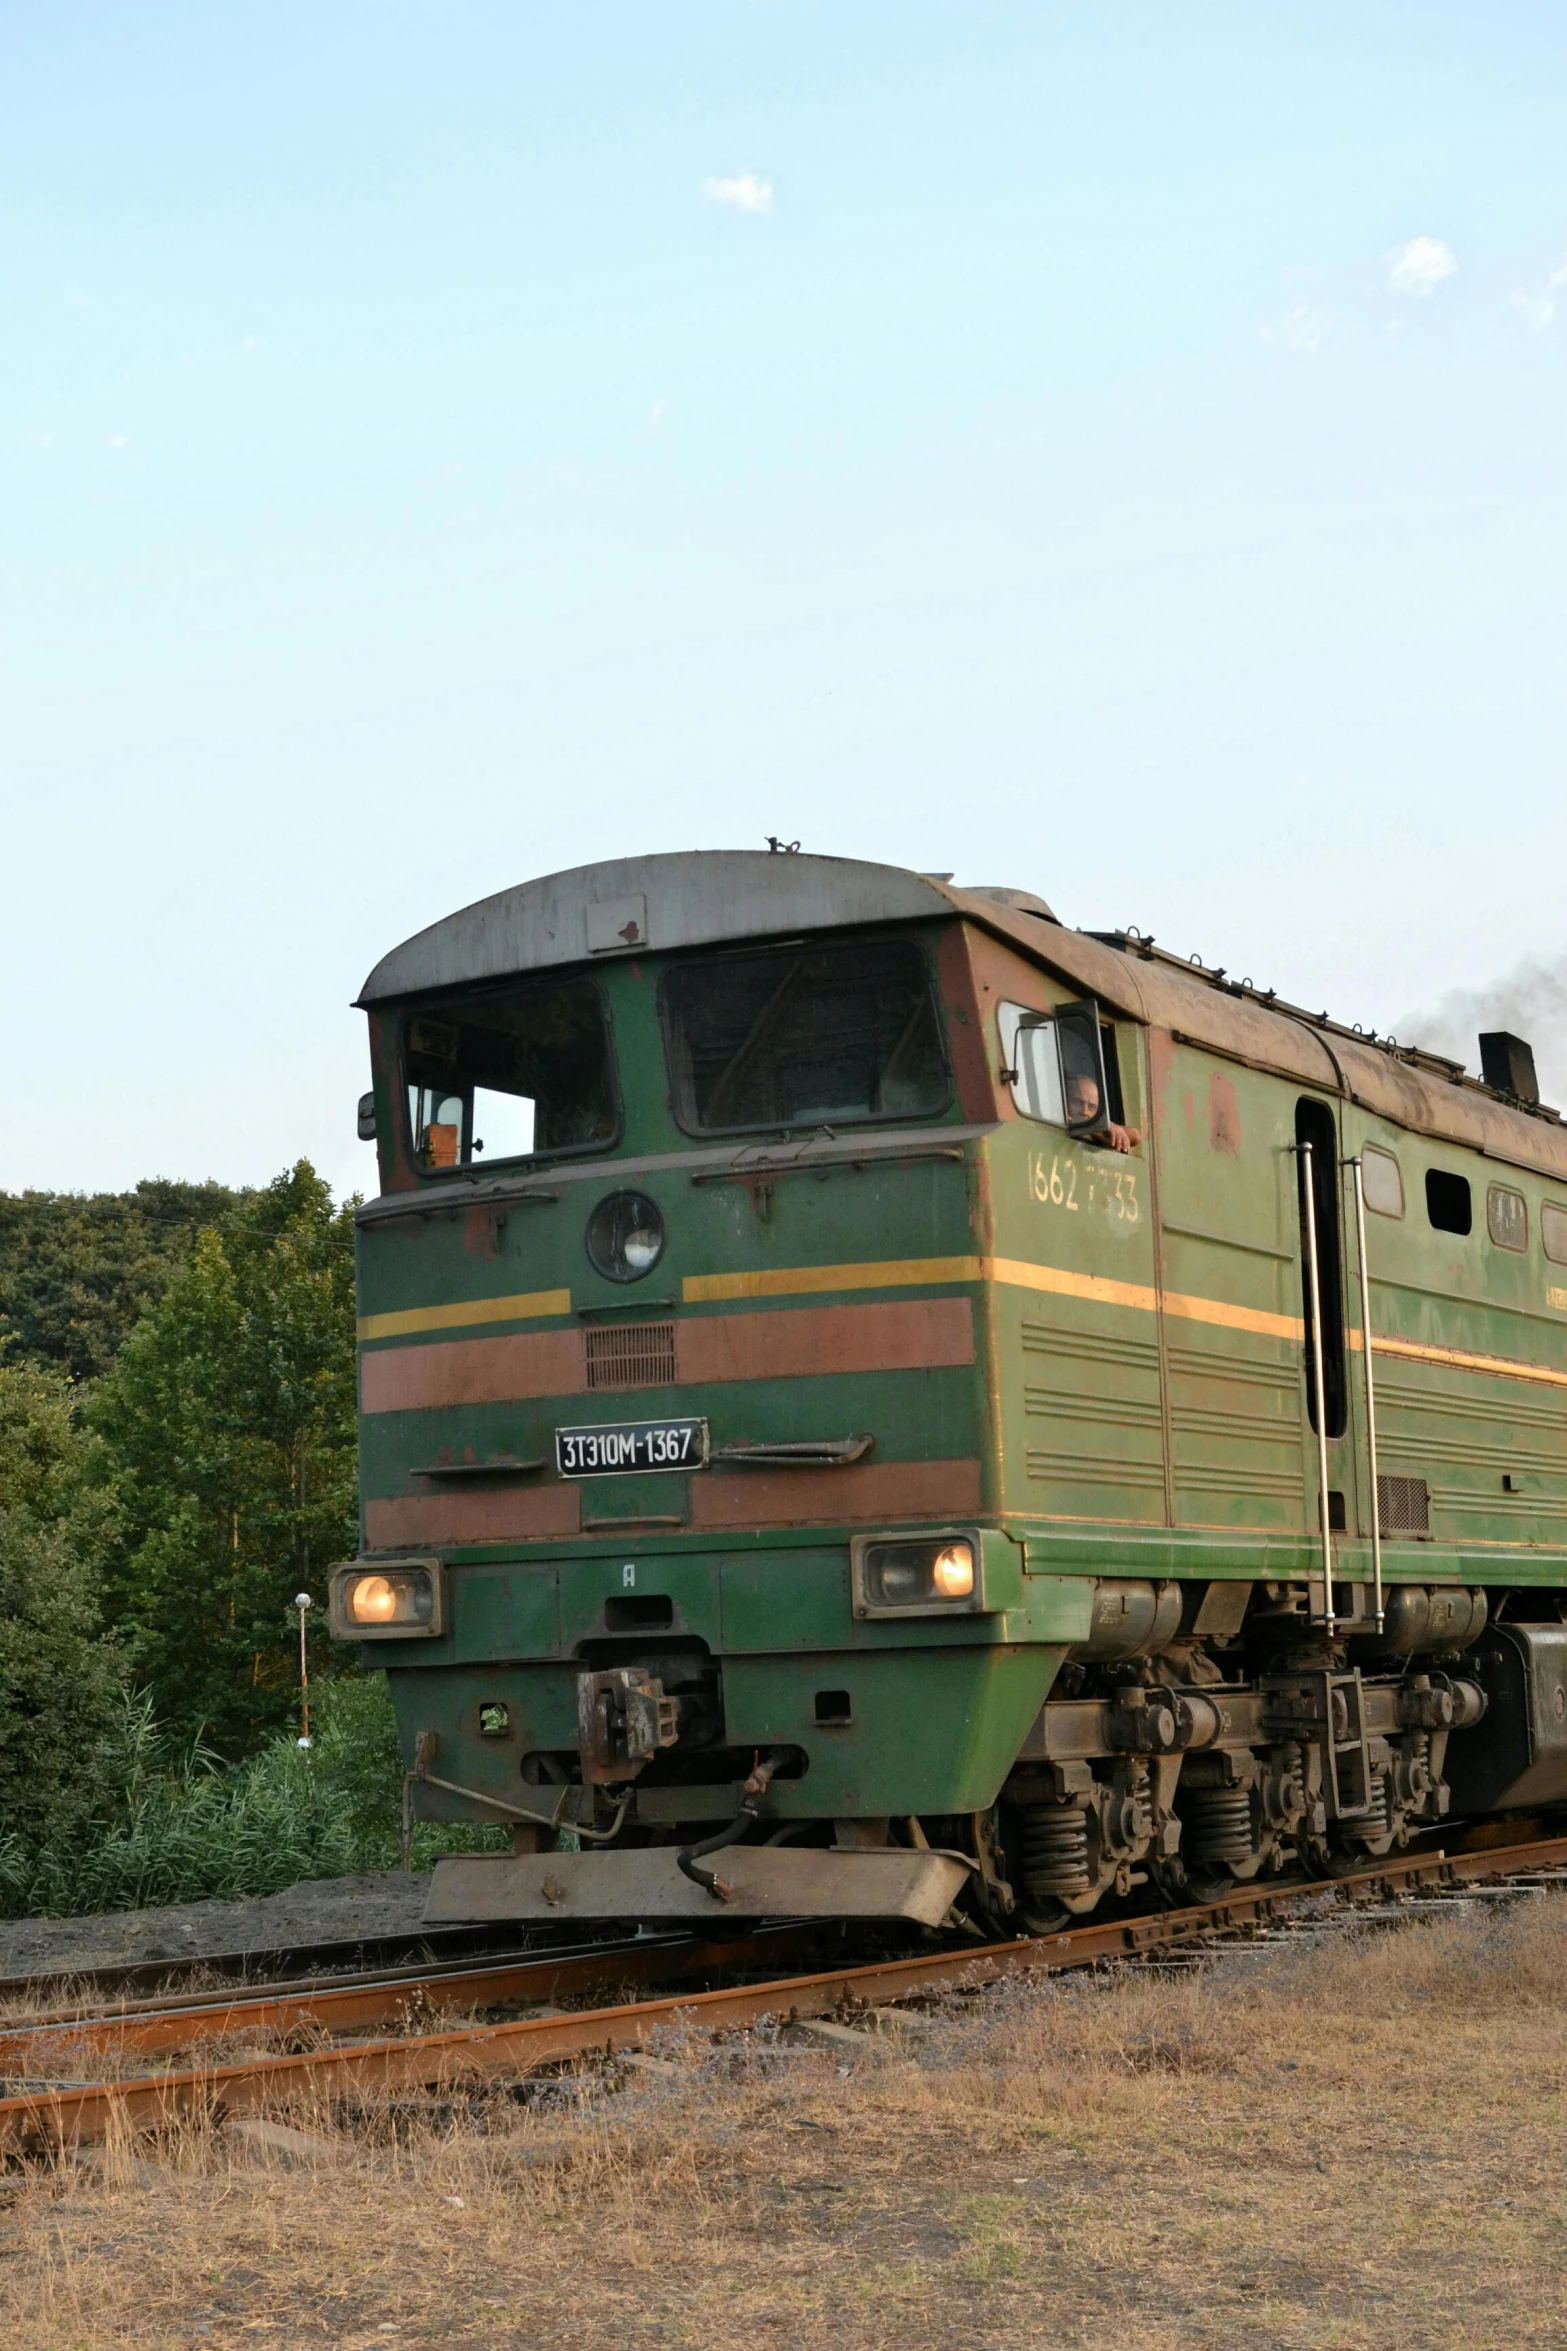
x=78, y=2114
x=161, y=1978
x=385, y=1996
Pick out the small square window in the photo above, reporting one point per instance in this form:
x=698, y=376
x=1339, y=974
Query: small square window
x=1553, y=1232
x=1448, y=1203
x=1028, y=1046
x=1381, y=1181
x=1507, y=1217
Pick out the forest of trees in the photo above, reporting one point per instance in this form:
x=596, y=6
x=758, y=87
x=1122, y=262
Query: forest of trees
x=177, y=1460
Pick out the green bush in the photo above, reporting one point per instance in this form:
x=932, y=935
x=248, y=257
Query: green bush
x=175, y=1824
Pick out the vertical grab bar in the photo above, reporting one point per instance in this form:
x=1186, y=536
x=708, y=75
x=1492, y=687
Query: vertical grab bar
x=1371, y=1393
x=1318, y=1382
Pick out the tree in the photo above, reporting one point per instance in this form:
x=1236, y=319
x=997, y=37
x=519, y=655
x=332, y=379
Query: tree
x=77, y=1269
x=59, y=1677
x=228, y=1421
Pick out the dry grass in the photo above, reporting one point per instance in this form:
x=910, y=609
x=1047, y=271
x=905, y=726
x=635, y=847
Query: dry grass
x=1332, y=2145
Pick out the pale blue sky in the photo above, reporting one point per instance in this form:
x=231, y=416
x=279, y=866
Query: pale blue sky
x=1119, y=451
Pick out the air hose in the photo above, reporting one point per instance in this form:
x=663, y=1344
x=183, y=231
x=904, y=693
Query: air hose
x=688, y=1860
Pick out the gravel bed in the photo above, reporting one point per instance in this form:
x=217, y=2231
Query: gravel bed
x=379, y=1902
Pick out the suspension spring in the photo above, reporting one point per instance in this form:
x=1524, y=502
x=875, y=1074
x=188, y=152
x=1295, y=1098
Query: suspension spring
x=1055, y=1849
x=1379, y=1820
x=1220, y=1824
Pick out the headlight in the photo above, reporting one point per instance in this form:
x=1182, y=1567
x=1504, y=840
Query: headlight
x=925, y=1577
x=625, y=1236
x=395, y=1601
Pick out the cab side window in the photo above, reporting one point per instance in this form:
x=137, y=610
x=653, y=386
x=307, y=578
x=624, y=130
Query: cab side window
x=1381, y=1181
x=1031, y=1055
x=1448, y=1204
x=1507, y=1217
x=1037, y=1049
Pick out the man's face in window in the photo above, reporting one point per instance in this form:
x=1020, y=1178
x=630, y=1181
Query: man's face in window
x=1082, y=1099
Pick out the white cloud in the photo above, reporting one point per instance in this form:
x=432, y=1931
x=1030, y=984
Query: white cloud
x=1538, y=309
x=119, y=440
x=1420, y=266
x=744, y=191
x=1300, y=329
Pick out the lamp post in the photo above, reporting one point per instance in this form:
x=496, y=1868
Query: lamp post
x=303, y=1602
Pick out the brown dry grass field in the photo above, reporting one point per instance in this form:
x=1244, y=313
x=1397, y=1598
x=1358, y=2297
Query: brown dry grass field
x=1348, y=2142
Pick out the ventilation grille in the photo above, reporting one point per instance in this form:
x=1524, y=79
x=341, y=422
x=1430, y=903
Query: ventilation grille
x=1403, y=1506
x=631, y=1355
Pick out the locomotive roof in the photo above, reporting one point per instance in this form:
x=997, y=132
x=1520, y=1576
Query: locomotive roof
x=709, y=897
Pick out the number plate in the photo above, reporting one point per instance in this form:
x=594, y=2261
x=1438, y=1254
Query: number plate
x=616, y=1446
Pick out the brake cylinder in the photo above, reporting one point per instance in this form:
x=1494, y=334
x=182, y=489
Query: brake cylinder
x=1131, y=1618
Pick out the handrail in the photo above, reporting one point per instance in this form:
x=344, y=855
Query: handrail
x=1371, y=1395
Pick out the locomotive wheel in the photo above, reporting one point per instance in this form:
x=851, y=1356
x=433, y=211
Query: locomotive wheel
x=1206, y=1885
x=1046, y=1918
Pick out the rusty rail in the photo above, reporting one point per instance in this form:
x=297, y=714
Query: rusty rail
x=78, y=2114
x=349, y=2004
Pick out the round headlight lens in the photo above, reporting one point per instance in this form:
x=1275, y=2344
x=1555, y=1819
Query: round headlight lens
x=625, y=1236
x=372, y=1600
x=403, y=1596
x=952, y=1571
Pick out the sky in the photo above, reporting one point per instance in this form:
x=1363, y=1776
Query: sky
x=1114, y=451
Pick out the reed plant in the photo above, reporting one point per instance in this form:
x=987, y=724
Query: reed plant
x=162, y=1820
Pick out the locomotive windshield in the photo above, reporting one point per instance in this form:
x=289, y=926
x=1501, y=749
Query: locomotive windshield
x=804, y=1036
x=509, y=1074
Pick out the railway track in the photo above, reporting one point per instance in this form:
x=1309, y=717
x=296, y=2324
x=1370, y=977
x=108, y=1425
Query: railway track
x=362, y=1954
x=64, y=2114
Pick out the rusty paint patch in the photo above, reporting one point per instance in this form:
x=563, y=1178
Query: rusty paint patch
x=1224, y=1116
x=482, y=1229
x=1161, y=1067
x=495, y=1517
x=921, y=1334
x=472, y=1371
x=966, y=1041
x=880, y=1490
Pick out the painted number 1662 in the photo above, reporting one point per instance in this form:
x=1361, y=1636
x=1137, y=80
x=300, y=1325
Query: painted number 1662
x=1113, y=1189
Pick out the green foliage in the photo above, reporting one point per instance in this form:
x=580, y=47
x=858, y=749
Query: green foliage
x=58, y=1676
x=356, y=1756
x=228, y=1428
x=78, y=1269
x=171, y=1823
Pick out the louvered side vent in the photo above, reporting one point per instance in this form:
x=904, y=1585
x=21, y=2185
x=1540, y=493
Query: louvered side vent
x=631, y=1355
x=1403, y=1506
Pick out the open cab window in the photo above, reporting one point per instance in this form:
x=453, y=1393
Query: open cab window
x=1062, y=1066
x=509, y=1073
x=804, y=1036
x=1030, y=1057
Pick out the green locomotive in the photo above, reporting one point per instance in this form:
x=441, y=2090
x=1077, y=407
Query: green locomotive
x=866, y=1408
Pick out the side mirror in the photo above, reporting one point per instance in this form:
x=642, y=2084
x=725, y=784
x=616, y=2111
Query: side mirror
x=1084, y=1092
x=367, y=1118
